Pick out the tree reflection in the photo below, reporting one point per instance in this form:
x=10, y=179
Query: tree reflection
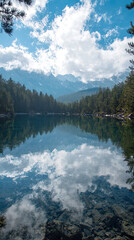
x=15, y=131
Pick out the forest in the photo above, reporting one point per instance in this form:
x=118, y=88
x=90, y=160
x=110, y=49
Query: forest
x=15, y=98
x=119, y=99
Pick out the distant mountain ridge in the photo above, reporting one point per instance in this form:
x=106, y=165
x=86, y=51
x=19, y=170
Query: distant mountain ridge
x=44, y=83
x=57, y=86
x=77, y=96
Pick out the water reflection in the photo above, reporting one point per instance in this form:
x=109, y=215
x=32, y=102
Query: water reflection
x=25, y=220
x=66, y=178
x=78, y=166
x=14, y=132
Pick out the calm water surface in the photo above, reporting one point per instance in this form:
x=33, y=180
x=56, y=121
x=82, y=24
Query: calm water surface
x=66, y=178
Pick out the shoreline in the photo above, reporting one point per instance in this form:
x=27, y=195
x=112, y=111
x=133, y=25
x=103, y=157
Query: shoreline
x=120, y=116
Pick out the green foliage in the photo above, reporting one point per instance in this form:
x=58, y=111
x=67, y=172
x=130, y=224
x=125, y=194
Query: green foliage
x=131, y=31
x=16, y=98
x=108, y=101
x=131, y=5
x=8, y=12
x=128, y=94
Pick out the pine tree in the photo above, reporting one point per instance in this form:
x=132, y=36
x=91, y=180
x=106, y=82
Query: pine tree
x=131, y=31
x=128, y=94
x=8, y=12
x=131, y=5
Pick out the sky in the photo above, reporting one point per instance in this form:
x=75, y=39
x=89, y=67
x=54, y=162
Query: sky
x=85, y=38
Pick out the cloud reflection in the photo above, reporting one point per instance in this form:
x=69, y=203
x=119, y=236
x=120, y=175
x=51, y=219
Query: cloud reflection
x=23, y=218
x=69, y=172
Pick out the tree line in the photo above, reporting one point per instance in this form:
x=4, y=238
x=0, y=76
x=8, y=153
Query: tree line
x=15, y=98
x=109, y=101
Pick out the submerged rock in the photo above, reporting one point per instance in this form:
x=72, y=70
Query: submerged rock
x=111, y=221
x=119, y=211
x=96, y=216
x=2, y=221
x=128, y=230
x=117, y=238
x=57, y=230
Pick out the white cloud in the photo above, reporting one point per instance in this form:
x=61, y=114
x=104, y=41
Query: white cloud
x=104, y=17
x=17, y=56
x=71, y=49
x=119, y=11
x=30, y=20
x=111, y=32
x=84, y=59
x=32, y=10
x=75, y=50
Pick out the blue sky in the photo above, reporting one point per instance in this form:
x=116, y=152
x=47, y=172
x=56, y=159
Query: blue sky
x=86, y=38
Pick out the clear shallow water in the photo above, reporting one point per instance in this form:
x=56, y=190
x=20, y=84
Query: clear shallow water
x=66, y=178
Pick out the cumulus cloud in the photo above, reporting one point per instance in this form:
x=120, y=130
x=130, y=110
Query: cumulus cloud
x=69, y=172
x=76, y=50
x=70, y=47
x=16, y=56
x=31, y=19
x=84, y=60
x=31, y=11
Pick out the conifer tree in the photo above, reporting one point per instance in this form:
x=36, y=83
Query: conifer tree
x=131, y=31
x=8, y=12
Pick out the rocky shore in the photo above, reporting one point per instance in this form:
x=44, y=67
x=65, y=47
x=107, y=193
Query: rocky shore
x=120, y=116
x=3, y=115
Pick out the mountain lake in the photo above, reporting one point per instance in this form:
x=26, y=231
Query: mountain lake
x=64, y=177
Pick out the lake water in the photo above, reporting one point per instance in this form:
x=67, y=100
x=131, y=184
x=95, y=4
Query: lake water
x=66, y=178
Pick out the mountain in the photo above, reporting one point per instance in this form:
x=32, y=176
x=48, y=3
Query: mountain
x=46, y=83
x=77, y=95
x=57, y=86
